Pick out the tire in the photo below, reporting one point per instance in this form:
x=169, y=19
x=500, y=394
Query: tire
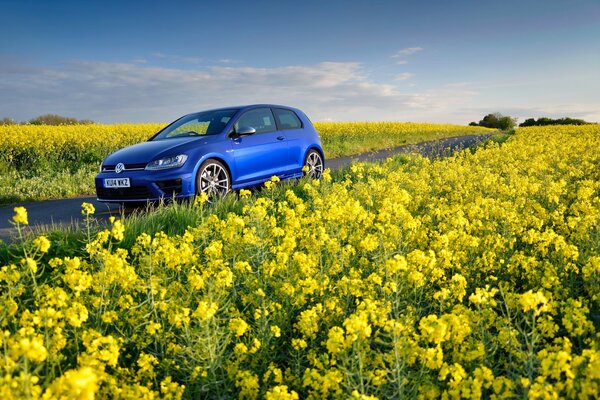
x=213, y=179
x=314, y=162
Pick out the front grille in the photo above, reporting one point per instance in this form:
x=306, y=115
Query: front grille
x=130, y=193
x=170, y=187
x=128, y=167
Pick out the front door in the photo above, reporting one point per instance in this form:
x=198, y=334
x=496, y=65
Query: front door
x=262, y=154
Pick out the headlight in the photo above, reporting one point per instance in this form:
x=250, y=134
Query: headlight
x=167, y=162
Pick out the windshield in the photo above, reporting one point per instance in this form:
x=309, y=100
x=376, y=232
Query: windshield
x=201, y=124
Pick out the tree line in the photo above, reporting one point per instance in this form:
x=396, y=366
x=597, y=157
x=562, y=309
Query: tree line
x=507, y=123
x=47, y=119
x=549, y=121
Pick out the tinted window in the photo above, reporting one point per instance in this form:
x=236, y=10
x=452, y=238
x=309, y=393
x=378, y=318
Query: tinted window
x=287, y=119
x=204, y=123
x=260, y=119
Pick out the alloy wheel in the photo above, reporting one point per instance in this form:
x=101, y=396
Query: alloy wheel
x=314, y=162
x=213, y=179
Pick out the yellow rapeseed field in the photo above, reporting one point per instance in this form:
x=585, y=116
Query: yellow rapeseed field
x=474, y=276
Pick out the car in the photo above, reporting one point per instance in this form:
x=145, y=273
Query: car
x=213, y=152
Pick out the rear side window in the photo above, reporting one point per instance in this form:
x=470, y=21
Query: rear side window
x=260, y=119
x=287, y=119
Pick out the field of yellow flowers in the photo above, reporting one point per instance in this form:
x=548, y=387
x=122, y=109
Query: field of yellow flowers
x=472, y=276
x=41, y=162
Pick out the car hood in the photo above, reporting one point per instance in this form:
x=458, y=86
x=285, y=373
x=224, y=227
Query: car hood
x=148, y=151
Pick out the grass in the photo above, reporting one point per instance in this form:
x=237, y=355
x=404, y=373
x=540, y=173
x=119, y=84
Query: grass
x=43, y=162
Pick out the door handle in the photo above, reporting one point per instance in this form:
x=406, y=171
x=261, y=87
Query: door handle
x=280, y=137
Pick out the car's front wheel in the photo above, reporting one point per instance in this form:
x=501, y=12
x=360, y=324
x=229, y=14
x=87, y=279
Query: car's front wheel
x=213, y=179
x=313, y=164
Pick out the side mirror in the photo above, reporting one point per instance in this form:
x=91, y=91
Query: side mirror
x=245, y=131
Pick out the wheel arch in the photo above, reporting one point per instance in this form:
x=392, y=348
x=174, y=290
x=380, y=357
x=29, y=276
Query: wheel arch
x=318, y=149
x=207, y=157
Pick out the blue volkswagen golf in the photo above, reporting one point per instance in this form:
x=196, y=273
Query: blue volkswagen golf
x=213, y=152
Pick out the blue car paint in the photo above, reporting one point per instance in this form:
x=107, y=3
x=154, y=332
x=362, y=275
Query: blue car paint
x=251, y=160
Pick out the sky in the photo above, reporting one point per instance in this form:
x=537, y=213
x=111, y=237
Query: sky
x=429, y=61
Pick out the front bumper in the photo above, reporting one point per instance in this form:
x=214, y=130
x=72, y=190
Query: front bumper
x=146, y=186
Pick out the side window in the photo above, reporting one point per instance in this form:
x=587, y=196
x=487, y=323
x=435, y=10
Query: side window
x=260, y=119
x=287, y=119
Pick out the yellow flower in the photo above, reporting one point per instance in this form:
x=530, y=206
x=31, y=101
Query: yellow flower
x=336, y=340
x=81, y=384
x=146, y=363
x=33, y=349
x=238, y=326
x=31, y=264
x=118, y=230
x=357, y=327
x=357, y=395
x=281, y=392
x=299, y=344
x=20, y=216
x=248, y=384
x=201, y=199
x=276, y=331
x=433, y=357
x=244, y=193
x=255, y=346
x=42, y=243
x=206, y=310
x=240, y=348
x=534, y=301
x=87, y=209
x=76, y=314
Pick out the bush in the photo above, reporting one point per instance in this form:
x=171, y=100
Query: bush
x=7, y=121
x=54, y=119
x=497, y=121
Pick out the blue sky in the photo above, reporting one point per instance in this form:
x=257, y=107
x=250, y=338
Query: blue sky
x=437, y=61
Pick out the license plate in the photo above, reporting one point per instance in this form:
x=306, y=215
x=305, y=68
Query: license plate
x=116, y=183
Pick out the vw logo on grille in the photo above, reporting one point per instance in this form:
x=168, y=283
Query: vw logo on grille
x=119, y=168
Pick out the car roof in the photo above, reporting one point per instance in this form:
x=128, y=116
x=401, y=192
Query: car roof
x=247, y=107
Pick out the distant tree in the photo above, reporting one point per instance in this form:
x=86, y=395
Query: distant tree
x=544, y=121
x=7, y=121
x=507, y=123
x=528, y=122
x=54, y=119
x=490, y=120
x=497, y=121
x=549, y=121
x=473, y=123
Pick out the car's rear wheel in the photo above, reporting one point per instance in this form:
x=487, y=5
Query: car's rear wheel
x=213, y=179
x=313, y=164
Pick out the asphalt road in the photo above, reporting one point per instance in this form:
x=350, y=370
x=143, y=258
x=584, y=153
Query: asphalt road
x=67, y=212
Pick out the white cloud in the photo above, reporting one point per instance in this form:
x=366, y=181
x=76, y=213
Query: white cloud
x=401, y=62
x=135, y=92
x=404, y=76
x=407, y=52
x=120, y=92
